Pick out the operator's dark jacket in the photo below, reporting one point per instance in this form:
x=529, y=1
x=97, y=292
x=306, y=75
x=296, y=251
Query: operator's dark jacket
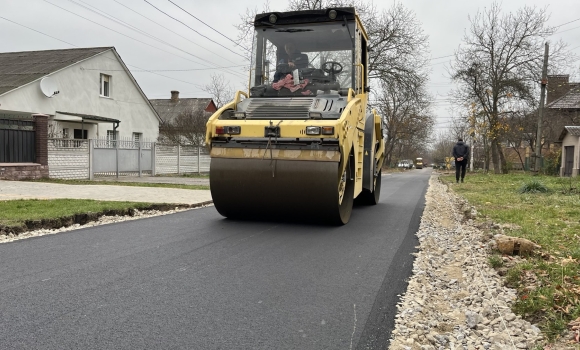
x=461, y=150
x=300, y=60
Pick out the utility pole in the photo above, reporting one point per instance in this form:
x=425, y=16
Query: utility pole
x=541, y=110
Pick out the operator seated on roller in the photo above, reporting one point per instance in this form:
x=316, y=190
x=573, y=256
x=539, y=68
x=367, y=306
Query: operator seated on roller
x=292, y=59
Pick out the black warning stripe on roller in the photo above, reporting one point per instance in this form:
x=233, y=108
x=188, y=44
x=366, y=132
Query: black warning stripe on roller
x=275, y=189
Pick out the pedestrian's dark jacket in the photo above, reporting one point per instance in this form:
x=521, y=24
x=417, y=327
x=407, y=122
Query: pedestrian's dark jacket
x=461, y=150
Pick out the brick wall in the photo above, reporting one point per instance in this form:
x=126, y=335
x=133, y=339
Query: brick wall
x=41, y=136
x=22, y=171
x=68, y=159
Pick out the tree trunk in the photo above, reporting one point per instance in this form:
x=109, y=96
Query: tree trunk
x=503, y=162
x=495, y=157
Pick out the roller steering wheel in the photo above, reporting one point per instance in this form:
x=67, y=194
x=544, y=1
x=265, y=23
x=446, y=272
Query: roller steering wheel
x=332, y=67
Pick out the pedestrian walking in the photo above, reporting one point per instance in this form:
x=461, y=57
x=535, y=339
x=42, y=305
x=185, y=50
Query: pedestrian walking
x=461, y=155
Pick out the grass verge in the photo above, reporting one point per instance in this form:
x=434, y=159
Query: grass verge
x=548, y=283
x=17, y=216
x=121, y=183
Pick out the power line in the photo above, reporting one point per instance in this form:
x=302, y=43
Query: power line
x=22, y=25
x=175, y=19
x=127, y=25
x=50, y=36
x=127, y=36
x=567, y=30
x=215, y=30
x=577, y=19
x=162, y=26
x=434, y=64
x=431, y=59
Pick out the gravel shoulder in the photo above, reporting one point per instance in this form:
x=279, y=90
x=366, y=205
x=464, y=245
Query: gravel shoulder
x=455, y=300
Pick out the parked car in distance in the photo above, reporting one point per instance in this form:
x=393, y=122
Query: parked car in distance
x=405, y=164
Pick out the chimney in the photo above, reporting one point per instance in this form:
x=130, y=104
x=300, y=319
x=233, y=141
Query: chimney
x=174, y=96
x=558, y=86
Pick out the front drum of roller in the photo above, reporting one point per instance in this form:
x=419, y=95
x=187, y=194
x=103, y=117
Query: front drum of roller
x=279, y=189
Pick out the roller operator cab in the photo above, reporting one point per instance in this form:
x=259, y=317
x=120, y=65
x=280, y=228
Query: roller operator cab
x=300, y=143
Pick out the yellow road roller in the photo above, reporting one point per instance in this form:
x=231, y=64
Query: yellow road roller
x=301, y=143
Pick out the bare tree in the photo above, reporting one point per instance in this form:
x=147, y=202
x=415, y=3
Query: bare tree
x=442, y=147
x=220, y=90
x=188, y=128
x=246, y=27
x=407, y=121
x=498, y=65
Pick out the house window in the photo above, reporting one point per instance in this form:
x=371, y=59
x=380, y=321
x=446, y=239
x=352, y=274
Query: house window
x=105, y=82
x=65, y=134
x=137, y=137
x=111, y=137
x=81, y=134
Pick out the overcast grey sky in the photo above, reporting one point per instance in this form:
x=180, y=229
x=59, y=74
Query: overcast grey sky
x=181, y=58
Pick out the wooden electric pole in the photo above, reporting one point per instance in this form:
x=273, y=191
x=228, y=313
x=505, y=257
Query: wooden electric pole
x=541, y=110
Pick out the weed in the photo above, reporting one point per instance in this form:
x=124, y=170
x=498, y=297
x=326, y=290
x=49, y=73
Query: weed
x=495, y=261
x=533, y=186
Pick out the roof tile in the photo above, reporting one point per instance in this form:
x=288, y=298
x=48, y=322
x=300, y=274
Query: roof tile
x=20, y=68
x=169, y=110
x=570, y=100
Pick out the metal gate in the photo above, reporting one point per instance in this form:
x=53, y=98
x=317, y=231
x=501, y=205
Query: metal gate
x=568, y=160
x=17, y=141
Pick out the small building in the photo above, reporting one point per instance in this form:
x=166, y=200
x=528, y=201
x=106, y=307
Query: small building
x=171, y=109
x=563, y=105
x=85, y=92
x=564, y=113
x=570, y=139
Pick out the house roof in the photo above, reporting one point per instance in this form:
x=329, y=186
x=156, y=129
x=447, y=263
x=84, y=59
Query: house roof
x=572, y=130
x=169, y=109
x=570, y=100
x=21, y=68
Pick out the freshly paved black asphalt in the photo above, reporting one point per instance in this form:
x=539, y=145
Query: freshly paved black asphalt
x=194, y=280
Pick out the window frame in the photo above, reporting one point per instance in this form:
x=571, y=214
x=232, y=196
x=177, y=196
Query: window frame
x=105, y=85
x=137, y=140
x=112, y=141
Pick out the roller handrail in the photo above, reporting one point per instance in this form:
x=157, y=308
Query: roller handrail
x=237, y=97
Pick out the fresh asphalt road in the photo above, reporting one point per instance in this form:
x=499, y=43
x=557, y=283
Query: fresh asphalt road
x=195, y=280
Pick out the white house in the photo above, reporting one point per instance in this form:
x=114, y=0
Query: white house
x=86, y=92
